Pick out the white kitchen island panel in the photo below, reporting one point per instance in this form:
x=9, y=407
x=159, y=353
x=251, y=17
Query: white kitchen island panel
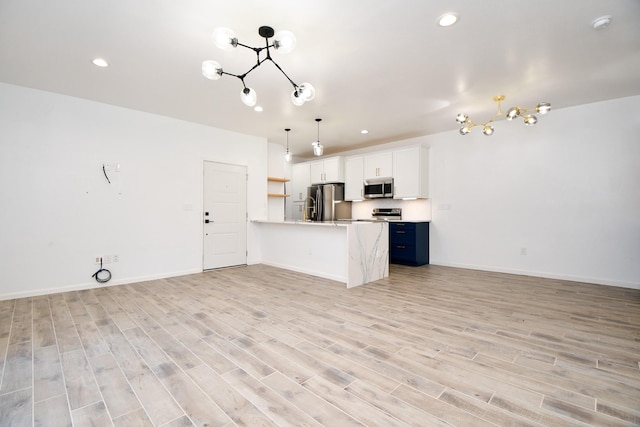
x=354, y=253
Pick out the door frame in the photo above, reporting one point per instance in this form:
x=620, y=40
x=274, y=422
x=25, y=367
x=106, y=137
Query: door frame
x=246, y=219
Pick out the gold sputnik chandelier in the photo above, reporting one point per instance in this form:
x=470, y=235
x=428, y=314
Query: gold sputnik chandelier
x=512, y=113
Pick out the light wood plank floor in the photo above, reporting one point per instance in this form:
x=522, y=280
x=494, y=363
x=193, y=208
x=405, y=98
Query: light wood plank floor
x=261, y=346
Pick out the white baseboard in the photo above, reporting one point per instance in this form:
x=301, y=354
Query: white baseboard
x=94, y=285
x=542, y=274
x=306, y=271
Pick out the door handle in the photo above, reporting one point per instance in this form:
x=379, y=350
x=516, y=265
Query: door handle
x=206, y=221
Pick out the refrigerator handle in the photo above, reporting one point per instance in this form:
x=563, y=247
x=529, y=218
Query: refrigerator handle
x=319, y=216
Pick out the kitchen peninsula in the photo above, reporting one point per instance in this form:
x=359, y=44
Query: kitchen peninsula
x=352, y=252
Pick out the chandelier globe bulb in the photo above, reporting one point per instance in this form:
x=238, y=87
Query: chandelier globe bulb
x=307, y=91
x=543, y=108
x=248, y=96
x=512, y=113
x=211, y=69
x=530, y=120
x=224, y=38
x=297, y=99
x=462, y=118
x=487, y=130
x=284, y=41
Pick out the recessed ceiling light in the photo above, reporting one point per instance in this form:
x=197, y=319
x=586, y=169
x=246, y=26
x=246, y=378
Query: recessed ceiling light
x=602, y=22
x=100, y=62
x=257, y=108
x=447, y=19
x=364, y=131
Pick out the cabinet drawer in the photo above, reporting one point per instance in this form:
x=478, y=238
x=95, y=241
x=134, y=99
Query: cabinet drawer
x=402, y=233
x=402, y=254
x=401, y=236
x=402, y=226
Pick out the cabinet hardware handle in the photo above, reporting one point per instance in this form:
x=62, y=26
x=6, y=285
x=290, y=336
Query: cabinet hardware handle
x=400, y=247
x=400, y=231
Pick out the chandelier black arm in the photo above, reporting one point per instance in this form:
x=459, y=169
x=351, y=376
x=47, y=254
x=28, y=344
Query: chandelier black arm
x=295, y=86
x=242, y=76
x=256, y=49
x=260, y=61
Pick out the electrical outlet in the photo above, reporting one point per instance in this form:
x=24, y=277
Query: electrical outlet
x=523, y=251
x=116, y=258
x=107, y=166
x=98, y=259
x=106, y=259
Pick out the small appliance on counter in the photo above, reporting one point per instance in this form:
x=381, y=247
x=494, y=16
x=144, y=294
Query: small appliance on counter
x=386, y=214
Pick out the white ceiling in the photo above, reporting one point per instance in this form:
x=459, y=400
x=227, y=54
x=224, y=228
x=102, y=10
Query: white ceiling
x=380, y=65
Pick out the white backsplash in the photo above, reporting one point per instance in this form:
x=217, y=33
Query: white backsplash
x=412, y=210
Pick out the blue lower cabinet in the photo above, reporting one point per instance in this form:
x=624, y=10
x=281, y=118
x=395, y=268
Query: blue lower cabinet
x=409, y=243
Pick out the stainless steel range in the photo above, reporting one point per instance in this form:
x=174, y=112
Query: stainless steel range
x=386, y=214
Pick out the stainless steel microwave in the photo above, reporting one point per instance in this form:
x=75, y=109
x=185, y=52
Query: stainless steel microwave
x=378, y=188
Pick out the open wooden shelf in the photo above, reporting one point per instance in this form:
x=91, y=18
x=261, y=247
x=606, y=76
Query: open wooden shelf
x=276, y=179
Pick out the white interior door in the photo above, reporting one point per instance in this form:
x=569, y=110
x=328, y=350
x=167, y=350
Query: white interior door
x=225, y=215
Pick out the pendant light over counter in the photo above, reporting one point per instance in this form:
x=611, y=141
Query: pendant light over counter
x=287, y=155
x=318, y=149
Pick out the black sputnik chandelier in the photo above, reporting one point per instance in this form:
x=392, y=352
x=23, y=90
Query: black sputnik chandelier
x=512, y=113
x=283, y=42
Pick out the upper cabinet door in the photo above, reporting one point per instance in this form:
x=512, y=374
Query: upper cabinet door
x=300, y=180
x=334, y=169
x=353, y=178
x=316, y=170
x=330, y=169
x=411, y=177
x=378, y=165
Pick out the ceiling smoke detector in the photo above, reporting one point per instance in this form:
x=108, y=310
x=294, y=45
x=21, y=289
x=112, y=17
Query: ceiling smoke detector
x=602, y=22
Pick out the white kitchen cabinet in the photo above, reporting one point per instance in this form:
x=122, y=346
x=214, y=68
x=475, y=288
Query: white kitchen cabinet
x=330, y=169
x=300, y=180
x=411, y=173
x=354, y=178
x=378, y=165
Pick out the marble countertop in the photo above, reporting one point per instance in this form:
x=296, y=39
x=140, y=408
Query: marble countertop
x=317, y=223
x=337, y=223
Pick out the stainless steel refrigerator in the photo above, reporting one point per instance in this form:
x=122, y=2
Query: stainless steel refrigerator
x=325, y=202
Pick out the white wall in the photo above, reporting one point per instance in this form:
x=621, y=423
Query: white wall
x=58, y=211
x=566, y=192
x=278, y=207
x=560, y=199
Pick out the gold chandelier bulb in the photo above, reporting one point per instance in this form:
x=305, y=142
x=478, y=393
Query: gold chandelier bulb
x=512, y=113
